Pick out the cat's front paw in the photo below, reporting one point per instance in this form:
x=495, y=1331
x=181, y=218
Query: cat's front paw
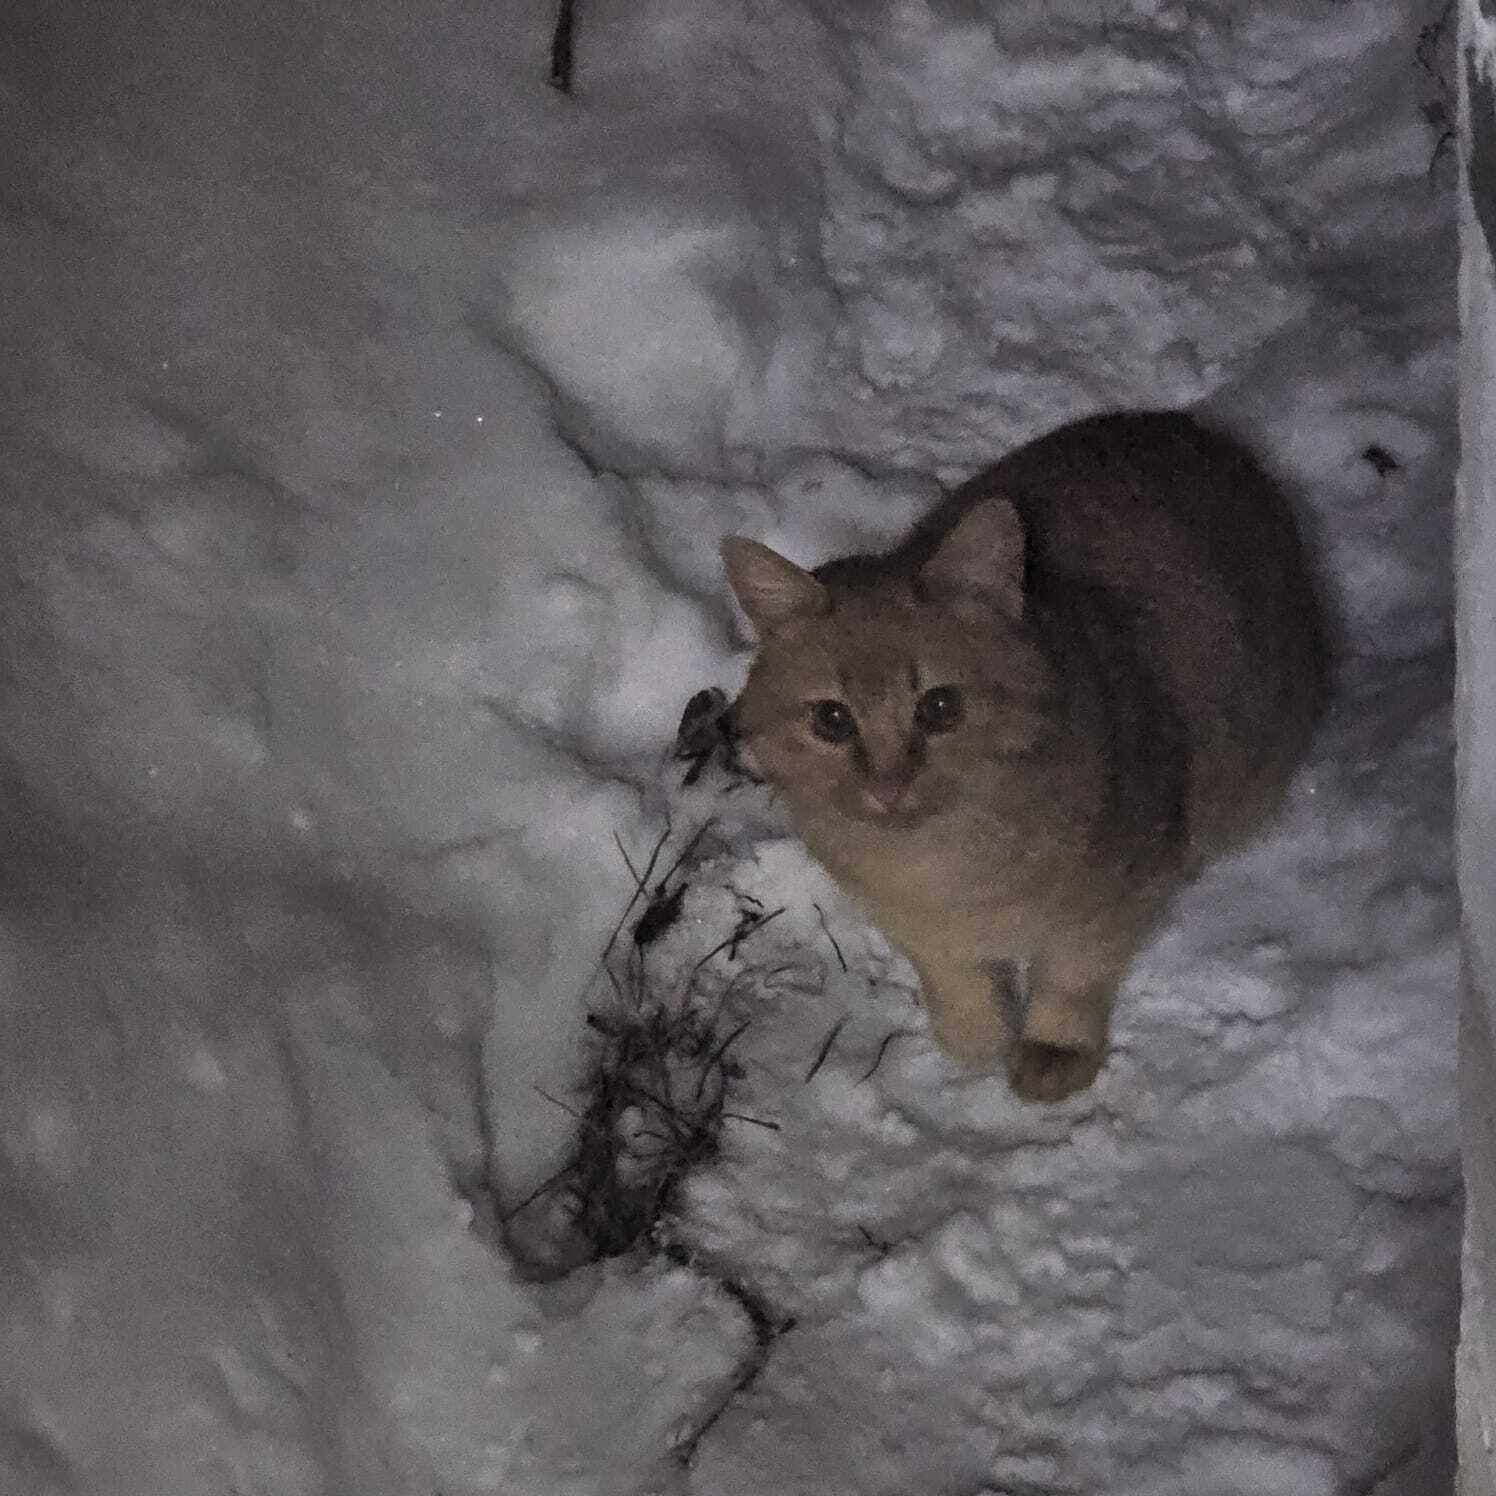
x=1047, y=1072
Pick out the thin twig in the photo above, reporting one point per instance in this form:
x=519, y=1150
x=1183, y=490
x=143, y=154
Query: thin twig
x=628, y=861
x=826, y=930
x=785, y=968
x=755, y=923
x=641, y=880
x=767, y=1328
x=561, y=47
x=570, y=1111
x=686, y=851
x=882, y=1050
x=820, y=1059
x=641, y=886
x=741, y=934
x=756, y=1121
x=539, y=1190
x=714, y=1060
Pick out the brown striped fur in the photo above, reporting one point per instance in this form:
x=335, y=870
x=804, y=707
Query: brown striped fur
x=1126, y=611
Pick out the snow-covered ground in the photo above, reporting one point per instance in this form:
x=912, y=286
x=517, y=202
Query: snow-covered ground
x=372, y=411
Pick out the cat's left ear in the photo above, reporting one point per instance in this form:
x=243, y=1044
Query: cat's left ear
x=771, y=589
x=982, y=557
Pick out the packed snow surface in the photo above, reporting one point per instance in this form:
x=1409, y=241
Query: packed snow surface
x=372, y=412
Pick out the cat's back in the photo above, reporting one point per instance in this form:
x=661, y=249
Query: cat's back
x=1139, y=500
x=1196, y=548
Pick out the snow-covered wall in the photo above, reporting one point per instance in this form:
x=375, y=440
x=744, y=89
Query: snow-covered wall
x=1476, y=727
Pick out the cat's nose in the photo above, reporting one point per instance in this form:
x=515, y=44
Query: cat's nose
x=887, y=791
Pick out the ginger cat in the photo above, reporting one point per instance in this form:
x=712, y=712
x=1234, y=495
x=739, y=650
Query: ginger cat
x=1013, y=737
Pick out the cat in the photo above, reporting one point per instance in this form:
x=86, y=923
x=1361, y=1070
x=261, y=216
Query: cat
x=1012, y=738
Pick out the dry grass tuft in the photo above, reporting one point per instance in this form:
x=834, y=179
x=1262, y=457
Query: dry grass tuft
x=657, y=1092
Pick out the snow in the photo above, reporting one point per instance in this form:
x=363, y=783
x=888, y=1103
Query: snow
x=373, y=412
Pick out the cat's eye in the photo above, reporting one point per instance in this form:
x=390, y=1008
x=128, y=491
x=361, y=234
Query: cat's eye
x=939, y=709
x=832, y=721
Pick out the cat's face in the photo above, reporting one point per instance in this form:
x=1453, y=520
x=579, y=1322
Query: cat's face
x=888, y=705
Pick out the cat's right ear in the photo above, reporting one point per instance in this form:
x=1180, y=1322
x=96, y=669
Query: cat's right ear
x=982, y=557
x=771, y=589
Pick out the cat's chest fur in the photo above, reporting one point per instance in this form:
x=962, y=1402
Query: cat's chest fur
x=1089, y=669
x=929, y=884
